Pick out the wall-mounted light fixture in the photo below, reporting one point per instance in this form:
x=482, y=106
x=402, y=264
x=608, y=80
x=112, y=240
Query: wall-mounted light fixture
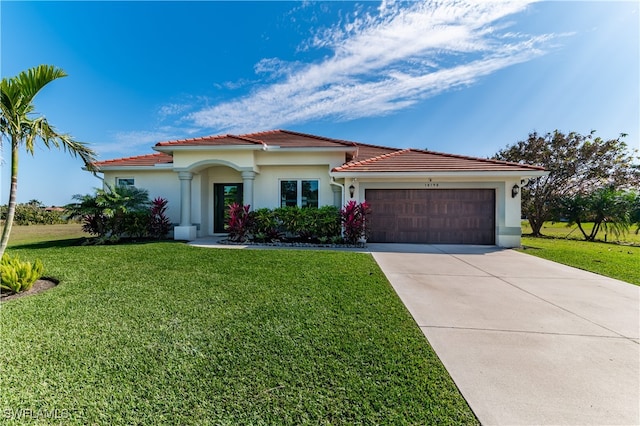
x=352, y=190
x=515, y=191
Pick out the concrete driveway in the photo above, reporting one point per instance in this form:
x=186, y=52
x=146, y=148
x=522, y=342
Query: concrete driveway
x=527, y=341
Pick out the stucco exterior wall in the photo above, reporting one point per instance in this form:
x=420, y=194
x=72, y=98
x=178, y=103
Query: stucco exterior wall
x=284, y=159
x=509, y=235
x=196, y=160
x=267, y=184
x=159, y=183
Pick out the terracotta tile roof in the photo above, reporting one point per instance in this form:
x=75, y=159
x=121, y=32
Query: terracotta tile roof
x=282, y=138
x=415, y=160
x=365, y=151
x=363, y=158
x=221, y=140
x=140, y=160
x=289, y=139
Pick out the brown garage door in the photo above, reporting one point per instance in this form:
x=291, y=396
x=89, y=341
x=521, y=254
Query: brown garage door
x=434, y=216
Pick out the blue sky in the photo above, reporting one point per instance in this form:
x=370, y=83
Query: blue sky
x=465, y=77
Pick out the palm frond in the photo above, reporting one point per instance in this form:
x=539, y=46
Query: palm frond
x=27, y=84
x=50, y=137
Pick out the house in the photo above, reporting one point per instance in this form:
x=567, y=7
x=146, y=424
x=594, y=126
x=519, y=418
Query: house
x=416, y=196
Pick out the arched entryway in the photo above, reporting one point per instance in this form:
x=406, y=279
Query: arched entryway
x=218, y=183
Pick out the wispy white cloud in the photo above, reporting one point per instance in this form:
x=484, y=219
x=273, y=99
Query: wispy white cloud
x=131, y=142
x=174, y=109
x=382, y=62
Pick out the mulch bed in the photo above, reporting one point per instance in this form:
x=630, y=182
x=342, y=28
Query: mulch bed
x=39, y=286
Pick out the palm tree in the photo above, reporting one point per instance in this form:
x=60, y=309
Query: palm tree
x=105, y=214
x=20, y=125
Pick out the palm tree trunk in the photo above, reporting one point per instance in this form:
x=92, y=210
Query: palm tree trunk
x=586, y=237
x=11, y=211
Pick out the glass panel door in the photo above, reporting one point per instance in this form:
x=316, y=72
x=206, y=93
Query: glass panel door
x=224, y=194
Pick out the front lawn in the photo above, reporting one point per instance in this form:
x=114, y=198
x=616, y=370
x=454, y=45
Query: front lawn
x=563, y=230
x=612, y=260
x=164, y=333
x=59, y=234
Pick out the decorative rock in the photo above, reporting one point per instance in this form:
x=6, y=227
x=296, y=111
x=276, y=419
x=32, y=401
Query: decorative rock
x=290, y=244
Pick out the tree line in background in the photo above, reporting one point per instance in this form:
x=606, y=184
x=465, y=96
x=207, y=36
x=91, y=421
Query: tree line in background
x=35, y=213
x=590, y=180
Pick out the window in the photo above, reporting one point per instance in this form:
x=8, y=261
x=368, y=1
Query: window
x=301, y=193
x=125, y=182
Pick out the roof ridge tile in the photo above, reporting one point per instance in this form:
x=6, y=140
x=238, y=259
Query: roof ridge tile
x=307, y=135
x=373, y=159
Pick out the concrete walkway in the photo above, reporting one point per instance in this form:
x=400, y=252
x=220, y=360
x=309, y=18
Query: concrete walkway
x=527, y=341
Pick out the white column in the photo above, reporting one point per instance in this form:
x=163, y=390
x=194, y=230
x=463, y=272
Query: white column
x=185, y=198
x=337, y=196
x=247, y=188
x=185, y=231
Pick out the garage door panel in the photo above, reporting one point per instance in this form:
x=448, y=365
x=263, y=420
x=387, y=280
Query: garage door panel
x=450, y=216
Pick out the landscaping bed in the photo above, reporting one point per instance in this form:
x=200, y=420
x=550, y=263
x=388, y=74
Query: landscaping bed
x=291, y=243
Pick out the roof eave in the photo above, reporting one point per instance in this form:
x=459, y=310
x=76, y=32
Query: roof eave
x=168, y=149
x=136, y=168
x=310, y=149
x=444, y=174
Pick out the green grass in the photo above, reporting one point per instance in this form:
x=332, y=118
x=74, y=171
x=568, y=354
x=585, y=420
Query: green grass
x=562, y=230
x=619, y=258
x=46, y=234
x=612, y=260
x=164, y=333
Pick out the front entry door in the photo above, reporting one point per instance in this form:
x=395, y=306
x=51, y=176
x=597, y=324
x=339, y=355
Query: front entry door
x=224, y=194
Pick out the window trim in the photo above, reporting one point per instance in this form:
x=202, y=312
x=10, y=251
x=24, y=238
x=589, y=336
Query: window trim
x=298, y=190
x=132, y=179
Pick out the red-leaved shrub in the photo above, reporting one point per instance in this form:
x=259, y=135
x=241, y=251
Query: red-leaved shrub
x=239, y=223
x=354, y=221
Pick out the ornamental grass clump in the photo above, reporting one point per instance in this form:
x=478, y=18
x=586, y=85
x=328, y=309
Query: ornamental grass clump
x=17, y=276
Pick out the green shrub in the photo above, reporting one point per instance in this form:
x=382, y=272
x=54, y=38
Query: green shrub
x=307, y=224
x=119, y=212
x=265, y=225
x=135, y=224
x=17, y=276
x=327, y=224
x=288, y=219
